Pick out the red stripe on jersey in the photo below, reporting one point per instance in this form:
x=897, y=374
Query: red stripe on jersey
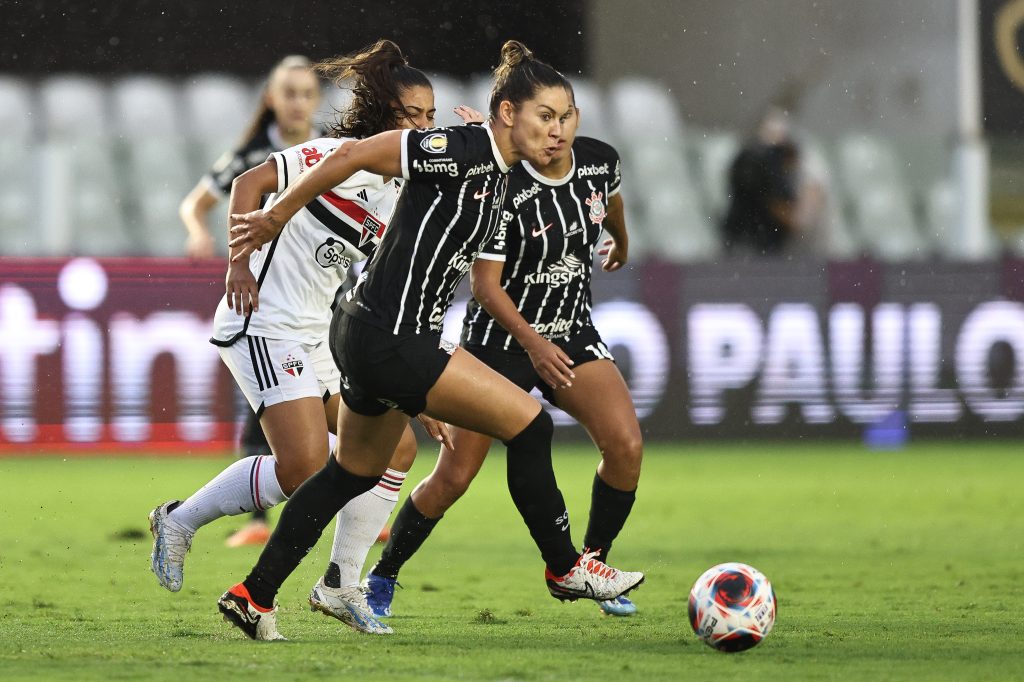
x=357, y=213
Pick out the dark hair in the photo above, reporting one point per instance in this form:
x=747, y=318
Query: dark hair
x=264, y=115
x=377, y=76
x=520, y=75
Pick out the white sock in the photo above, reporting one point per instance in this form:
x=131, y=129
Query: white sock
x=245, y=486
x=360, y=522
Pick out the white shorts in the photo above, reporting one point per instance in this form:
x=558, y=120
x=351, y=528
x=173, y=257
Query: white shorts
x=272, y=371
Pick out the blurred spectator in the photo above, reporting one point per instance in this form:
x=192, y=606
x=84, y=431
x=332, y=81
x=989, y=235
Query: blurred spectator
x=284, y=118
x=772, y=203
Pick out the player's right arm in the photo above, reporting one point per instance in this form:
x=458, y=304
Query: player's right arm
x=380, y=154
x=247, y=190
x=193, y=211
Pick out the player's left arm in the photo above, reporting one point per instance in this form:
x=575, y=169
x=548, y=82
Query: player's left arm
x=616, y=249
x=550, y=361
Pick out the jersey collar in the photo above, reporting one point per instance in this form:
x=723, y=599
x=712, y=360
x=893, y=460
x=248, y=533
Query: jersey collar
x=494, y=149
x=548, y=181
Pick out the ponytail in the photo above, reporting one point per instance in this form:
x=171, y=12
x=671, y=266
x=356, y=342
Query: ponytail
x=377, y=77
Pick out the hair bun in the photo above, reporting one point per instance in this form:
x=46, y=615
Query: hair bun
x=514, y=53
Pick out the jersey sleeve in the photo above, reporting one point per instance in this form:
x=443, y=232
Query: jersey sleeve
x=224, y=171
x=448, y=154
x=294, y=161
x=496, y=248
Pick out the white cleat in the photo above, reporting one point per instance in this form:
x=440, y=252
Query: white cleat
x=239, y=610
x=592, y=579
x=171, y=543
x=347, y=604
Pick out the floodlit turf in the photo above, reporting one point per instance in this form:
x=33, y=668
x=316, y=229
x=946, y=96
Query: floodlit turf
x=893, y=565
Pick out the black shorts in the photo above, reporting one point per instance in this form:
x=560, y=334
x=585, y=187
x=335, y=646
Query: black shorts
x=582, y=347
x=381, y=370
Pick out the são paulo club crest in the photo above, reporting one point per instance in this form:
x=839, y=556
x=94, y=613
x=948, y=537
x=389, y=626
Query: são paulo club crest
x=292, y=366
x=597, y=209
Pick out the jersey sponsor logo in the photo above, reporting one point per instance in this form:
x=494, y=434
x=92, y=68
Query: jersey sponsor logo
x=597, y=209
x=331, y=254
x=371, y=228
x=562, y=272
x=538, y=231
x=292, y=366
x=573, y=229
x=480, y=169
x=439, y=166
x=563, y=520
x=435, y=143
x=553, y=328
x=525, y=194
x=588, y=171
x=459, y=262
x=311, y=156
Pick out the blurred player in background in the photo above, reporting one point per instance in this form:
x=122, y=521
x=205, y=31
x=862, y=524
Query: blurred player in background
x=272, y=326
x=284, y=118
x=386, y=333
x=536, y=284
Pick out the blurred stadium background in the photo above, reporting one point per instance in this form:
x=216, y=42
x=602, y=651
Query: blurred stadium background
x=901, y=312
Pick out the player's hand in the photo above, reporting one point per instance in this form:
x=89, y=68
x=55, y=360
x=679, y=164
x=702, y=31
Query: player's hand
x=469, y=114
x=200, y=245
x=552, y=364
x=250, y=231
x=436, y=430
x=615, y=256
x=242, y=289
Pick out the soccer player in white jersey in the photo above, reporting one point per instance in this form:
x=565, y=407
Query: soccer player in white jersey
x=284, y=118
x=386, y=333
x=530, y=321
x=272, y=326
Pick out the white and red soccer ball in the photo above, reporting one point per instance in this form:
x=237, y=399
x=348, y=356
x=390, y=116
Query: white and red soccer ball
x=732, y=607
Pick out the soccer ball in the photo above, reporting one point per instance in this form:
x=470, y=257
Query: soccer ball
x=732, y=607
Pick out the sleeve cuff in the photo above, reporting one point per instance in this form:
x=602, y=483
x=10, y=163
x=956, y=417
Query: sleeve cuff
x=405, y=154
x=282, y=171
x=492, y=256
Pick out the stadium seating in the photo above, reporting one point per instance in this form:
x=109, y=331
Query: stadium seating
x=19, y=179
x=112, y=160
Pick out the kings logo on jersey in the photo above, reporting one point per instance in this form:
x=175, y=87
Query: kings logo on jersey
x=597, y=210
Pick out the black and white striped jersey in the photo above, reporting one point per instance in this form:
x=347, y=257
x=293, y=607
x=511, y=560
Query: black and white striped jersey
x=233, y=163
x=449, y=208
x=550, y=230
x=301, y=270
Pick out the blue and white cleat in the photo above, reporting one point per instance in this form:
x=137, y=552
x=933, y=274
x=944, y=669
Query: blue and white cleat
x=347, y=604
x=379, y=594
x=620, y=606
x=171, y=543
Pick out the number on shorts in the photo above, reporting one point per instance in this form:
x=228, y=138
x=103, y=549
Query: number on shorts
x=600, y=350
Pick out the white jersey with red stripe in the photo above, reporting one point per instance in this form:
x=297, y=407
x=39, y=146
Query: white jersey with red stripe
x=300, y=272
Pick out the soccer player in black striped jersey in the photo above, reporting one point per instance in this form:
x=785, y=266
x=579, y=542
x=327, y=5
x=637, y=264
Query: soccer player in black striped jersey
x=284, y=118
x=530, y=321
x=386, y=335
x=273, y=324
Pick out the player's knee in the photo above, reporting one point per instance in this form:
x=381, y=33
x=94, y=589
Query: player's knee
x=625, y=452
x=538, y=431
x=405, y=455
x=293, y=471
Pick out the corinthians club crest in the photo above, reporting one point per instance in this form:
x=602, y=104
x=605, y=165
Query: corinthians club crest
x=597, y=209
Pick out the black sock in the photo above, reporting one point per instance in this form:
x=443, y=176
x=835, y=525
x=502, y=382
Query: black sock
x=531, y=481
x=408, y=533
x=259, y=515
x=609, y=509
x=302, y=522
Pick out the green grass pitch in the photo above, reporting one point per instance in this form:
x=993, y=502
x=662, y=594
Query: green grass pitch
x=891, y=565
